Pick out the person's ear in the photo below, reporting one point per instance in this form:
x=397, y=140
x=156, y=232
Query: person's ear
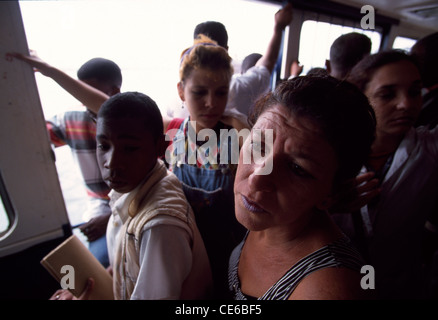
x=180, y=87
x=114, y=90
x=161, y=145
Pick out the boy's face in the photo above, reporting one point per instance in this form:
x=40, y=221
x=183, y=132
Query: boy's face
x=106, y=88
x=126, y=152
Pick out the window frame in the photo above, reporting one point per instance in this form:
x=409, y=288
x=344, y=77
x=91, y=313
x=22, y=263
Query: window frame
x=34, y=205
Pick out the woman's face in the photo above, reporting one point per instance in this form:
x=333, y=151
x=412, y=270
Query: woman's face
x=205, y=93
x=303, y=169
x=395, y=95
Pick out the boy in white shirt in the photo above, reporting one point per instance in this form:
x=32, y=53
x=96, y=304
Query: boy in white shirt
x=157, y=251
x=154, y=245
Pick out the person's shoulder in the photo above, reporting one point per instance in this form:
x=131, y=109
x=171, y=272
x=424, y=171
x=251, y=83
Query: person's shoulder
x=256, y=72
x=259, y=68
x=234, y=119
x=167, y=190
x=332, y=283
x=424, y=136
x=172, y=123
x=256, y=75
x=73, y=115
x=426, y=130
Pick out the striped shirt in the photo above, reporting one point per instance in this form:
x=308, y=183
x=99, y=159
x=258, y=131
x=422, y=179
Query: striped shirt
x=340, y=253
x=78, y=130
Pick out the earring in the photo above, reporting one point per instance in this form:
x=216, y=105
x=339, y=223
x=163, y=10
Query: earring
x=182, y=105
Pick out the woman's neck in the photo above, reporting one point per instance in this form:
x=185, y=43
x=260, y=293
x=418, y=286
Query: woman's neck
x=199, y=128
x=315, y=233
x=383, y=147
x=386, y=143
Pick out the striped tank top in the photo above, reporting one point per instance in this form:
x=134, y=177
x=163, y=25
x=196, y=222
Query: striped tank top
x=340, y=253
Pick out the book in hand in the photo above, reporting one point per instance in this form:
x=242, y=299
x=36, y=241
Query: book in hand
x=71, y=264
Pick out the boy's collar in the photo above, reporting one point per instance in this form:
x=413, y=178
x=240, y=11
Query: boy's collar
x=157, y=173
x=92, y=115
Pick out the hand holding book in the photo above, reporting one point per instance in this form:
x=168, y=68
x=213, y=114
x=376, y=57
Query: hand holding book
x=72, y=264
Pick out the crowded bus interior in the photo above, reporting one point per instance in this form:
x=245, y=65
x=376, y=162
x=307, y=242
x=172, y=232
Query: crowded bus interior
x=58, y=183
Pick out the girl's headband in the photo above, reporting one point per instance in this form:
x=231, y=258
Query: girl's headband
x=187, y=52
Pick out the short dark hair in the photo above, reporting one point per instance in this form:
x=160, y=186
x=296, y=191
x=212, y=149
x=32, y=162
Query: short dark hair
x=214, y=30
x=347, y=50
x=338, y=107
x=250, y=61
x=425, y=51
x=363, y=72
x=134, y=105
x=317, y=72
x=103, y=70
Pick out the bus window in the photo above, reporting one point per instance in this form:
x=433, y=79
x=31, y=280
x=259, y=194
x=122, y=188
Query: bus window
x=146, y=46
x=6, y=211
x=317, y=37
x=4, y=219
x=403, y=43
